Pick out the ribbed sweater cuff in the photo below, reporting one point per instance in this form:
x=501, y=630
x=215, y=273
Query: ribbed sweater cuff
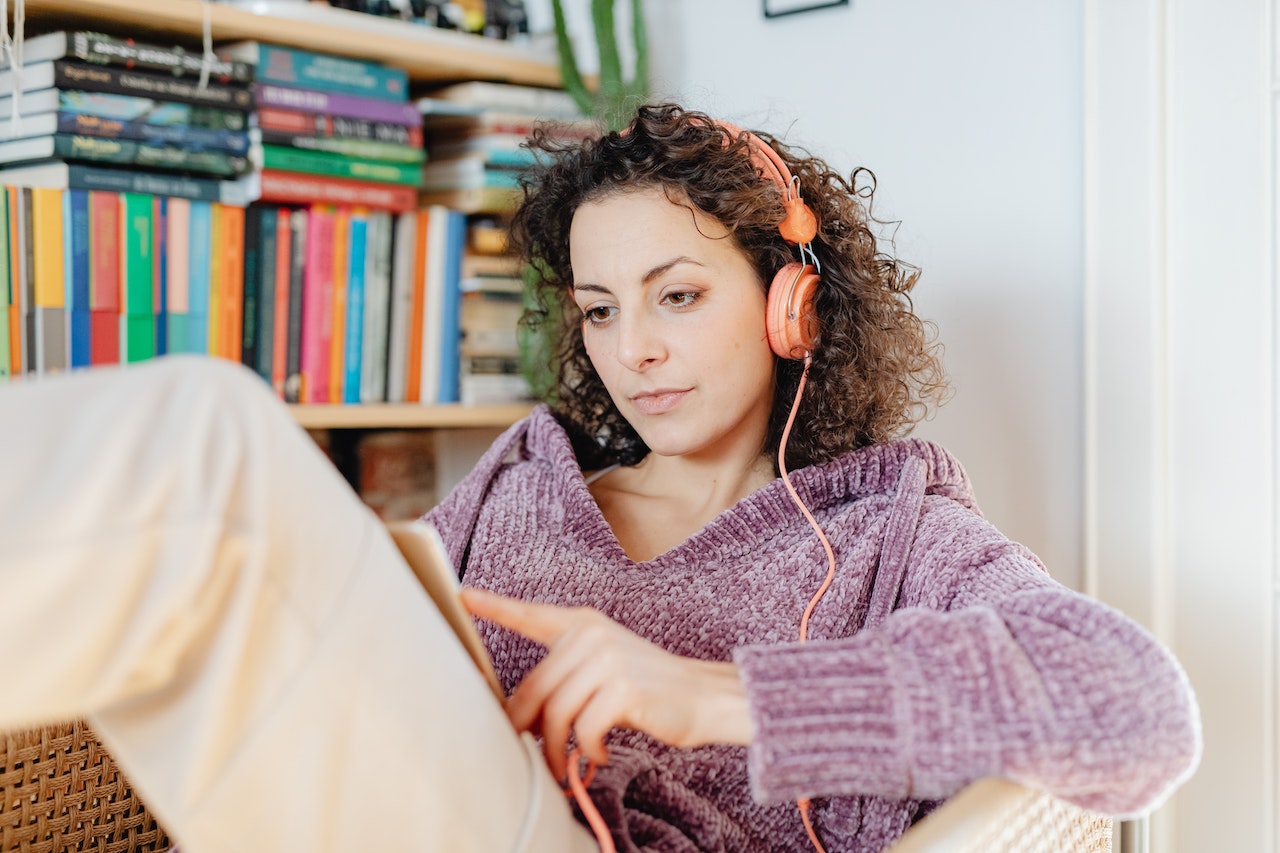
x=828, y=718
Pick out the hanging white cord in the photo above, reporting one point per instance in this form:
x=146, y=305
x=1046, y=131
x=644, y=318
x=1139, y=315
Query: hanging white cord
x=11, y=50
x=207, y=59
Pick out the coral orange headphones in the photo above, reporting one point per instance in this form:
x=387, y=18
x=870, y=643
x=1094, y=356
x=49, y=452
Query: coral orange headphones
x=790, y=319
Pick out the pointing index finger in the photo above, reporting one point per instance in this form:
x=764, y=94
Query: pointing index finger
x=542, y=623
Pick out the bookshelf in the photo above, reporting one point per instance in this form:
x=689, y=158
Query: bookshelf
x=407, y=416
x=427, y=54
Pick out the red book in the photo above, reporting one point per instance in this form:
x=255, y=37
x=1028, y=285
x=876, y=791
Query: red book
x=318, y=124
x=298, y=188
x=317, y=307
x=104, y=278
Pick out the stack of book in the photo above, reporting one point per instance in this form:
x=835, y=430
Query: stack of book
x=331, y=130
x=489, y=319
x=95, y=112
x=476, y=132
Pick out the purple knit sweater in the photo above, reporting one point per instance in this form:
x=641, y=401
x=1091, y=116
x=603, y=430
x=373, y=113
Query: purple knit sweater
x=942, y=653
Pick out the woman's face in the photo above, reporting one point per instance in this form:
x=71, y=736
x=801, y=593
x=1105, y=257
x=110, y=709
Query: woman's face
x=673, y=321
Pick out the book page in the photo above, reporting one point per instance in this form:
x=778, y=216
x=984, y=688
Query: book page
x=425, y=553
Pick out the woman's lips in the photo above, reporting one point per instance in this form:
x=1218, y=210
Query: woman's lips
x=658, y=402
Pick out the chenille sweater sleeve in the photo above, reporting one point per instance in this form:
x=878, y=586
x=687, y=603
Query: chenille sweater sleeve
x=1012, y=676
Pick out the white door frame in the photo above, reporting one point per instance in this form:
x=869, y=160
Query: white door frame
x=1180, y=376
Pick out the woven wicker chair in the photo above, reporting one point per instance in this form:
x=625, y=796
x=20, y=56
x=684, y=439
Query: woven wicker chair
x=60, y=790
x=998, y=816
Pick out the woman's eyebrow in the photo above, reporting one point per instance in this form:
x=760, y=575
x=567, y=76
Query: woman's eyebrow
x=648, y=277
x=663, y=267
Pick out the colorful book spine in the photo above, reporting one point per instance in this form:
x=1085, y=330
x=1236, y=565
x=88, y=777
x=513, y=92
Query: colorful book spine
x=137, y=309
x=76, y=236
x=373, y=376
x=104, y=277
x=252, y=277
x=294, y=188
x=177, y=279
x=299, y=251
x=135, y=153
x=216, y=315
x=199, y=249
x=49, y=323
x=338, y=166
x=17, y=351
x=317, y=301
x=259, y=276
x=287, y=121
x=134, y=109
x=279, y=333
x=338, y=333
x=68, y=74
x=6, y=368
x=417, y=323
x=78, y=176
x=187, y=137
x=455, y=243
x=400, y=310
x=350, y=106
x=361, y=148
x=305, y=69
x=102, y=49
x=353, y=361
x=232, y=246
x=160, y=270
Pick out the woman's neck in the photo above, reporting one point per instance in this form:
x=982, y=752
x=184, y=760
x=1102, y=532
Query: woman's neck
x=656, y=505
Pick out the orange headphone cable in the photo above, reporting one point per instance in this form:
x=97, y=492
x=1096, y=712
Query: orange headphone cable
x=803, y=802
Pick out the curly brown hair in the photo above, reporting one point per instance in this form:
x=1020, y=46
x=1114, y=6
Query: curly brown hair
x=875, y=366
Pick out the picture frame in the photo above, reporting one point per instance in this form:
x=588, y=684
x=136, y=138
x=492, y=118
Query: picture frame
x=782, y=8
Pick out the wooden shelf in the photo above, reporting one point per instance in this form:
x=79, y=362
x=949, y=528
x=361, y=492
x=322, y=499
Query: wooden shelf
x=429, y=55
x=406, y=416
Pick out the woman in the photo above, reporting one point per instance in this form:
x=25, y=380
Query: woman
x=656, y=592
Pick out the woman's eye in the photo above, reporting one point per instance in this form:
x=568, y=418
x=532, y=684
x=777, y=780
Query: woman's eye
x=597, y=315
x=682, y=299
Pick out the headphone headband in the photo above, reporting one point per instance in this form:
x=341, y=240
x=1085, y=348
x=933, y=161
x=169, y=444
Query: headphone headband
x=799, y=225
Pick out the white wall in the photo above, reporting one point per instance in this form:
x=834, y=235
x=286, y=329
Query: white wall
x=970, y=116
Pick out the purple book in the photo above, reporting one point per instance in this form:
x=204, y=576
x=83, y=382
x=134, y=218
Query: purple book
x=350, y=106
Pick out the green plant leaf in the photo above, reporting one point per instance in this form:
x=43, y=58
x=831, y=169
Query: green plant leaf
x=572, y=78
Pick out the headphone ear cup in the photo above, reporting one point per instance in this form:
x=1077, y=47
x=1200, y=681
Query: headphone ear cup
x=791, y=320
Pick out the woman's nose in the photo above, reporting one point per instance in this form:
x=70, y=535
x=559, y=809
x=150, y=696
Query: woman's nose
x=640, y=344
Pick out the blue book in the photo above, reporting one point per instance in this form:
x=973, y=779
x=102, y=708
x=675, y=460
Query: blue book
x=450, y=338
x=161, y=217
x=198, y=257
x=358, y=234
x=75, y=210
x=304, y=69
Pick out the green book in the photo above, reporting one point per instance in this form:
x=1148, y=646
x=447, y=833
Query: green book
x=338, y=166
x=137, y=308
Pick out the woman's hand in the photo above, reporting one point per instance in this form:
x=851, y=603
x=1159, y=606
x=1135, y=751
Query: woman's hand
x=598, y=675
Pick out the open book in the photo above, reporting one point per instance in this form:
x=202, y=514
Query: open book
x=425, y=553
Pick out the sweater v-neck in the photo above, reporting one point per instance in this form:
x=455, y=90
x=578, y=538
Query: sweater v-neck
x=739, y=528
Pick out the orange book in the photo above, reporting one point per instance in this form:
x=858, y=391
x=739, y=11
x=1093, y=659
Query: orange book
x=413, y=375
x=46, y=215
x=337, y=344
x=232, y=281
x=216, y=295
